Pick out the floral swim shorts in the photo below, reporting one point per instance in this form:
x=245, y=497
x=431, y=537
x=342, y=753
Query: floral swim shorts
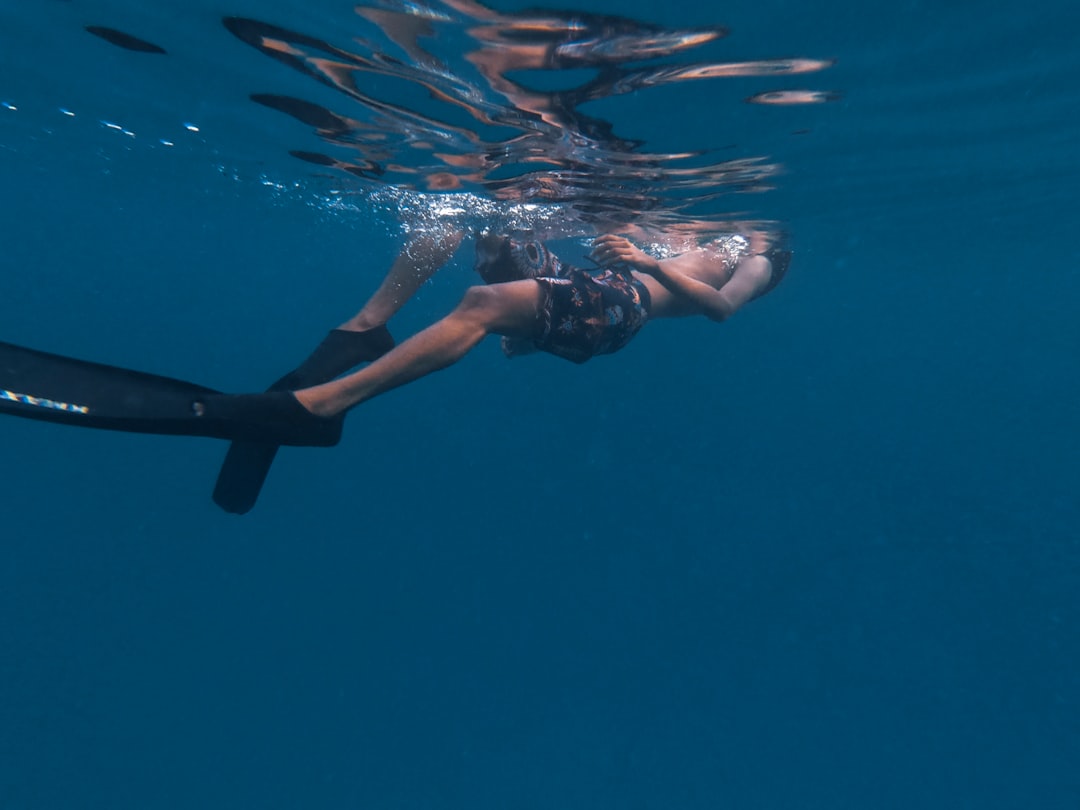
x=582, y=313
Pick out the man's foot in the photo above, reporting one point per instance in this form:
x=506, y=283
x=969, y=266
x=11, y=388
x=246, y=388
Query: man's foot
x=248, y=462
x=313, y=404
x=276, y=417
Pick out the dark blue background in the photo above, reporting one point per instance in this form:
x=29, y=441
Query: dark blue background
x=822, y=556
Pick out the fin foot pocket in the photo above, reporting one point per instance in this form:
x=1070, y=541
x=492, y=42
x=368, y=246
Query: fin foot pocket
x=275, y=417
x=247, y=464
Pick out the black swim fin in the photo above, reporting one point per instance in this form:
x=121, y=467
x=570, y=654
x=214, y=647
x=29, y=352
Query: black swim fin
x=53, y=388
x=246, y=465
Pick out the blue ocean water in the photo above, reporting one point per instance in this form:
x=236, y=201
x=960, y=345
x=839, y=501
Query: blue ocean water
x=823, y=555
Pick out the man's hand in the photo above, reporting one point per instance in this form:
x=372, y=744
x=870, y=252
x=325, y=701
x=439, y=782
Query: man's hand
x=610, y=249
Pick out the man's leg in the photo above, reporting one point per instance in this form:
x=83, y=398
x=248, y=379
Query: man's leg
x=359, y=340
x=424, y=253
x=509, y=309
x=364, y=337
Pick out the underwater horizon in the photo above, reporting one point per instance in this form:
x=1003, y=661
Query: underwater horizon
x=822, y=555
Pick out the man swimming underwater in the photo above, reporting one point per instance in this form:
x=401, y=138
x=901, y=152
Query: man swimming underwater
x=538, y=303
x=530, y=298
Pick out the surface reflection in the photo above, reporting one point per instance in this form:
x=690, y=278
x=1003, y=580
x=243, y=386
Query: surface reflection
x=451, y=96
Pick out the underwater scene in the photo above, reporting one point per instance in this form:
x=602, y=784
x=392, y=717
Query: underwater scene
x=705, y=426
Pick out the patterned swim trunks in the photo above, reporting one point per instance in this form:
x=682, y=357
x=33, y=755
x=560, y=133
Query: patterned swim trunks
x=582, y=313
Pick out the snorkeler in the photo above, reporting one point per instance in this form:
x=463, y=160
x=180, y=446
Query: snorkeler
x=537, y=303
x=530, y=298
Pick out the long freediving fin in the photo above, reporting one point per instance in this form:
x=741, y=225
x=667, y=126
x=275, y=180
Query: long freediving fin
x=242, y=475
x=53, y=388
x=247, y=464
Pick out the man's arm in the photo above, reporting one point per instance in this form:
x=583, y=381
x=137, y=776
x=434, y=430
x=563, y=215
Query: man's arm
x=750, y=277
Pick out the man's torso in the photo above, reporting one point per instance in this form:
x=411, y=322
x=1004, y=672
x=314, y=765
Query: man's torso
x=713, y=264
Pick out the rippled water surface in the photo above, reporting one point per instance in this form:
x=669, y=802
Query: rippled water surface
x=514, y=111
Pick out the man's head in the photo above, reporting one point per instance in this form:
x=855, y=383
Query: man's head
x=781, y=261
x=500, y=259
